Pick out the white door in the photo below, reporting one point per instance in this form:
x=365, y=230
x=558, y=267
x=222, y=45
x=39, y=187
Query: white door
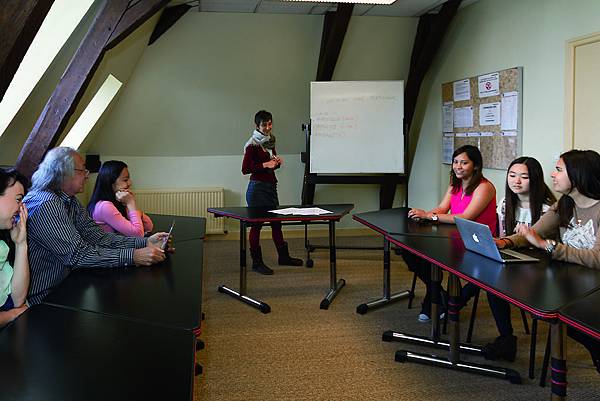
x=584, y=113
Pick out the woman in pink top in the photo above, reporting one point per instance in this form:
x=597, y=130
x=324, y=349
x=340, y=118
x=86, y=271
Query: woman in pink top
x=112, y=204
x=470, y=196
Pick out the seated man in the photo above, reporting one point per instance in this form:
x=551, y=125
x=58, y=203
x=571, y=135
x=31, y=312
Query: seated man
x=61, y=234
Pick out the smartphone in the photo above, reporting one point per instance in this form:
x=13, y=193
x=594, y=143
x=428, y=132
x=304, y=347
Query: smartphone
x=166, y=241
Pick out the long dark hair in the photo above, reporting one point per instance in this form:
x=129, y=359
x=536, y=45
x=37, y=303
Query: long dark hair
x=539, y=193
x=474, y=155
x=8, y=178
x=103, y=190
x=583, y=170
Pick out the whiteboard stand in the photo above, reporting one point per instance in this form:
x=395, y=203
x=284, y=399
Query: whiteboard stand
x=387, y=182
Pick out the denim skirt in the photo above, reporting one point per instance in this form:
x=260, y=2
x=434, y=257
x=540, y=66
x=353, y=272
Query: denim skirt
x=262, y=194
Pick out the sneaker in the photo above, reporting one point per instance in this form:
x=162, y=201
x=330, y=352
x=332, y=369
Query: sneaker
x=503, y=347
x=423, y=318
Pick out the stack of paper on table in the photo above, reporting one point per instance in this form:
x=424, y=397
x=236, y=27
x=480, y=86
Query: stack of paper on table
x=303, y=211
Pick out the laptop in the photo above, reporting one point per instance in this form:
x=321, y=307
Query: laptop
x=478, y=238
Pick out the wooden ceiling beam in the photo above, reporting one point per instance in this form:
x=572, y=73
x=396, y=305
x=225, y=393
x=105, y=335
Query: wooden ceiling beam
x=20, y=21
x=115, y=20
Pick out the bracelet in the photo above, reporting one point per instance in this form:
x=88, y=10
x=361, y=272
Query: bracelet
x=550, y=245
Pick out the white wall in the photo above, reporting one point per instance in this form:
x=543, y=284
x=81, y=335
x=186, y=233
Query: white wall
x=185, y=114
x=491, y=35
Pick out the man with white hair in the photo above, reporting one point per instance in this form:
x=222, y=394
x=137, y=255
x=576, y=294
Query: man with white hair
x=61, y=234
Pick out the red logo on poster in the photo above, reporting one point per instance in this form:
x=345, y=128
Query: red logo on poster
x=488, y=85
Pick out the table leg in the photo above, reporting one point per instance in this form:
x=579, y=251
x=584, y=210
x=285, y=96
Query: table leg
x=241, y=294
x=334, y=285
x=454, y=346
x=387, y=297
x=558, y=364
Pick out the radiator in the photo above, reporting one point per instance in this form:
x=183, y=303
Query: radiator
x=188, y=202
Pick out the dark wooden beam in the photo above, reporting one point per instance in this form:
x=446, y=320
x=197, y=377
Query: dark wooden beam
x=113, y=22
x=430, y=34
x=20, y=21
x=136, y=14
x=168, y=18
x=334, y=30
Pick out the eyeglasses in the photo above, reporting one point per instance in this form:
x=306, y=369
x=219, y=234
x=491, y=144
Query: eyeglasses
x=85, y=171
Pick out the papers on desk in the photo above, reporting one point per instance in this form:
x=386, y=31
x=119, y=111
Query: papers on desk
x=302, y=211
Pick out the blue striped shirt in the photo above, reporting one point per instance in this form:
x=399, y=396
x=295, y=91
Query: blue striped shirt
x=62, y=236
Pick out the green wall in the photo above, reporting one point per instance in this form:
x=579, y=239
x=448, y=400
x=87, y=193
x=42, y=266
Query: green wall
x=182, y=119
x=491, y=35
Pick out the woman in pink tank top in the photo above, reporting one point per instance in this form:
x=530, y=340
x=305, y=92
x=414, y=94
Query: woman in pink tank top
x=470, y=196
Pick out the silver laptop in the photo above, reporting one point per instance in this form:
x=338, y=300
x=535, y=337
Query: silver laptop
x=478, y=238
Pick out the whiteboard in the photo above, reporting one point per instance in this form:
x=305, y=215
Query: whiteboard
x=357, y=127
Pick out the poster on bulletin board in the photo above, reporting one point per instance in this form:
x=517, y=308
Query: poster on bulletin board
x=484, y=111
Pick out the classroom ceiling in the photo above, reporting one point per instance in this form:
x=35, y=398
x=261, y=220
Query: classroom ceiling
x=400, y=8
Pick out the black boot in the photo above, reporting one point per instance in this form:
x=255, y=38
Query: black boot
x=503, y=347
x=257, y=262
x=284, y=257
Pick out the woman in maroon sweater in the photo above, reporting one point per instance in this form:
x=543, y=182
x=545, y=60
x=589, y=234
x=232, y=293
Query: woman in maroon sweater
x=261, y=161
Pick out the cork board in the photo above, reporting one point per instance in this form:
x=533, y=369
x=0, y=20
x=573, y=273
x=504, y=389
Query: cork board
x=484, y=111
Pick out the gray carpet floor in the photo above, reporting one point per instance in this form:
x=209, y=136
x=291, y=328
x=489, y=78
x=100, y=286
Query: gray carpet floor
x=300, y=352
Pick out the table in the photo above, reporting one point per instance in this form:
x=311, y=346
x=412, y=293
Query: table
x=57, y=354
x=186, y=228
x=248, y=216
x=396, y=221
x=167, y=294
x=543, y=288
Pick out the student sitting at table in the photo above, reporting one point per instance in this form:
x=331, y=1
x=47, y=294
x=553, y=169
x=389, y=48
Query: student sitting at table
x=112, y=205
x=527, y=199
x=14, y=264
x=574, y=219
x=62, y=236
x=261, y=161
x=470, y=196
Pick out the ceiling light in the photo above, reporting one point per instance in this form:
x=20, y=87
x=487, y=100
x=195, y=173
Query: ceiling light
x=386, y=2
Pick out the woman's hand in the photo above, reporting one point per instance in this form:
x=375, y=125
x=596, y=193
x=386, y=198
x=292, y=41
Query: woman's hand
x=279, y=160
x=532, y=236
x=18, y=233
x=270, y=164
x=127, y=198
x=417, y=214
x=501, y=243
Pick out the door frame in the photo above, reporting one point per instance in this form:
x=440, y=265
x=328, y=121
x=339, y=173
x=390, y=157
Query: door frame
x=571, y=48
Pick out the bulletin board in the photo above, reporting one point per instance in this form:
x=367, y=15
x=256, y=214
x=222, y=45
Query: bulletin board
x=484, y=111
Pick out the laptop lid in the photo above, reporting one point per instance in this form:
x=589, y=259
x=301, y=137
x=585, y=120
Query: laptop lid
x=478, y=238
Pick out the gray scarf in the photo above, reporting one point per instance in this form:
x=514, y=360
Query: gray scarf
x=257, y=138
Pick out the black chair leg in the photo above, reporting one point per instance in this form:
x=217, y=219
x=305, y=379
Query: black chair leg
x=473, y=315
x=525, y=324
x=532, y=346
x=546, y=362
x=412, y=290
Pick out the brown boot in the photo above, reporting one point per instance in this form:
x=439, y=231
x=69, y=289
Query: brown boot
x=284, y=257
x=257, y=262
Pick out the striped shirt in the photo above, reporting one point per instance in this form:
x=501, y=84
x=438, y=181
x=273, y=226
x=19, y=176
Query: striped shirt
x=62, y=236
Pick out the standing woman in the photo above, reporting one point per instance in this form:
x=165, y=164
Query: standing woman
x=261, y=161
x=113, y=205
x=14, y=264
x=527, y=199
x=469, y=196
x=574, y=219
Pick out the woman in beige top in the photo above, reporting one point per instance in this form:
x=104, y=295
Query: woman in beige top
x=574, y=220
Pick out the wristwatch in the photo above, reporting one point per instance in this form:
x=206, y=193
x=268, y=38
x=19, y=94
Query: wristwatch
x=434, y=217
x=550, y=245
